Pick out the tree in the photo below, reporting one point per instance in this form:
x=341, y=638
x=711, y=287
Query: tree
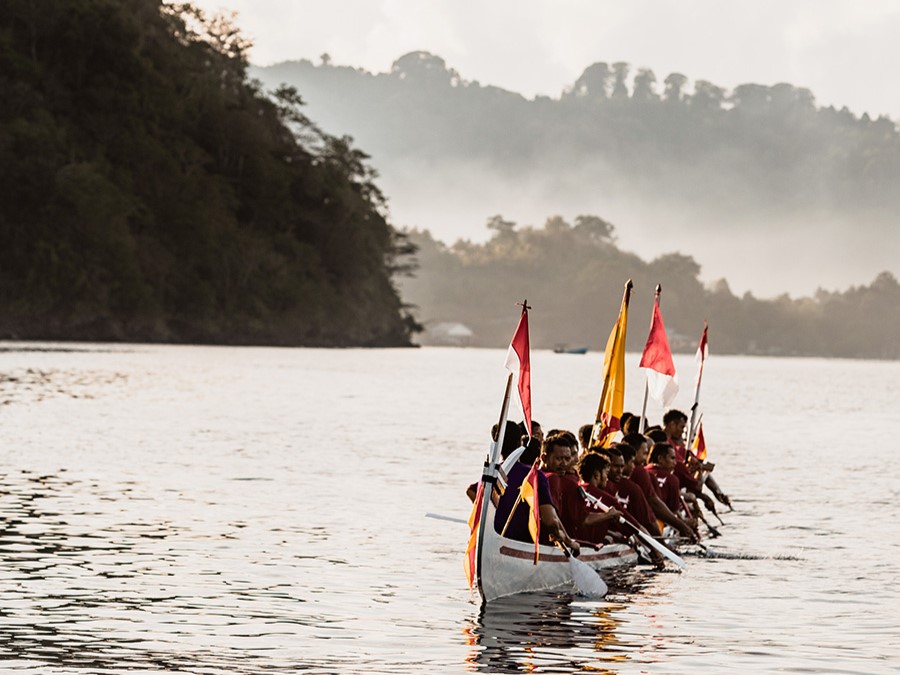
x=594, y=229
x=593, y=82
x=674, y=87
x=620, y=88
x=423, y=67
x=707, y=97
x=644, y=86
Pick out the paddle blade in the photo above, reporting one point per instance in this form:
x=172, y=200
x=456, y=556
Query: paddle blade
x=587, y=581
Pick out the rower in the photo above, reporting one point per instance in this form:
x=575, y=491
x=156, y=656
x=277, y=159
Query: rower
x=661, y=469
x=648, y=486
x=513, y=437
x=595, y=523
x=584, y=436
x=551, y=527
x=556, y=454
x=674, y=424
x=632, y=425
x=627, y=492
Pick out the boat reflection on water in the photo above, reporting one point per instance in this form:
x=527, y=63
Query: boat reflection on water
x=552, y=632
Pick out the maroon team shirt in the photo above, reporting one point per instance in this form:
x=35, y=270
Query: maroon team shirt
x=632, y=500
x=644, y=481
x=597, y=533
x=686, y=478
x=570, y=505
x=668, y=485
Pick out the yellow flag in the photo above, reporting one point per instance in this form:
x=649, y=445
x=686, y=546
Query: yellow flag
x=612, y=397
x=529, y=492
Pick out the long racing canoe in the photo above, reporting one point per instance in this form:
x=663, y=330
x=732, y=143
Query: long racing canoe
x=507, y=566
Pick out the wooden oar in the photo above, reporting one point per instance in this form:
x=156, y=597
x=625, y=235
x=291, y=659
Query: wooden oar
x=646, y=538
x=587, y=581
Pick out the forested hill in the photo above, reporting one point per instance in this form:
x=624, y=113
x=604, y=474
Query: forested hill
x=151, y=192
x=573, y=275
x=796, y=190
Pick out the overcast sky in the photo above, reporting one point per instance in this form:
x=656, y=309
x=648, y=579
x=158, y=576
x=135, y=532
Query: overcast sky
x=847, y=53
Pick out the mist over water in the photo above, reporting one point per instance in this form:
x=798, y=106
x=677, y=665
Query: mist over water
x=224, y=510
x=754, y=248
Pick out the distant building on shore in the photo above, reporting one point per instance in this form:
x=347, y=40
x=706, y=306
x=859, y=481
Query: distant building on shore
x=450, y=333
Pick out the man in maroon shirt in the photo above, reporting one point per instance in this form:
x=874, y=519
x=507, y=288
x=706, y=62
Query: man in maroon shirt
x=594, y=470
x=517, y=524
x=662, y=470
x=674, y=424
x=630, y=497
x=648, y=485
x=574, y=513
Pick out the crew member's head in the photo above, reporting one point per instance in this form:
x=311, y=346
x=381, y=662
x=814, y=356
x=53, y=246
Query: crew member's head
x=616, y=463
x=555, y=453
x=512, y=437
x=641, y=447
x=663, y=455
x=584, y=435
x=674, y=422
x=593, y=469
x=627, y=453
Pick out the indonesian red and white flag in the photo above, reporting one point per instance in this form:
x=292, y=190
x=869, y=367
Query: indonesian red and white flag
x=662, y=382
x=518, y=362
x=702, y=354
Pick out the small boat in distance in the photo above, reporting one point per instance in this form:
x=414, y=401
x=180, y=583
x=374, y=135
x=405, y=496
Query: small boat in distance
x=563, y=349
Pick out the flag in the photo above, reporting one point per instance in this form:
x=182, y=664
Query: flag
x=474, y=523
x=518, y=362
x=702, y=354
x=699, y=444
x=612, y=396
x=662, y=382
x=529, y=492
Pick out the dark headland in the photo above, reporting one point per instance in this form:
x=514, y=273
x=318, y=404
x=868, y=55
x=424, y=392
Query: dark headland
x=152, y=192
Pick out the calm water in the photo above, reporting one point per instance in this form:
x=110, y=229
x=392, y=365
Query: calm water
x=218, y=510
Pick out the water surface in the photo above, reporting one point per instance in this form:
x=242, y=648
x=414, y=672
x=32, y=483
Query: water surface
x=217, y=510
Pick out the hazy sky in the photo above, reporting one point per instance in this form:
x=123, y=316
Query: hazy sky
x=846, y=52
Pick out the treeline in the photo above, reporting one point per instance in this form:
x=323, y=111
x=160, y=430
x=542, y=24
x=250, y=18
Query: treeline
x=758, y=147
x=150, y=191
x=573, y=275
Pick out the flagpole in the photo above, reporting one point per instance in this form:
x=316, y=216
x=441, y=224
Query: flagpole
x=692, y=428
x=646, y=378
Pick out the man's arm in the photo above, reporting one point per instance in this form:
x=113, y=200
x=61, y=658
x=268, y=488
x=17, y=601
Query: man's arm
x=555, y=529
x=665, y=514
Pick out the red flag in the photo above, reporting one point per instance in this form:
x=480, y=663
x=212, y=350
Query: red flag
x=702, y=353
x=657, y=360
x=518, y=360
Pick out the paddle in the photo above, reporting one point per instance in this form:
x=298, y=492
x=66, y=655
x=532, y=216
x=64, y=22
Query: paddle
x=713, y=531
x=646, y=538
x=587, y=581
x=438, y=516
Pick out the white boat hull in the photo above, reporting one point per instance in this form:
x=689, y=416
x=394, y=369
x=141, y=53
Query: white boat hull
x=507, y=566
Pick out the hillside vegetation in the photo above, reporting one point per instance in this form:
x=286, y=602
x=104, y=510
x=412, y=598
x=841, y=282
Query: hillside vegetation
x=152, y=192
x=573, y=274
x=759, y=183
